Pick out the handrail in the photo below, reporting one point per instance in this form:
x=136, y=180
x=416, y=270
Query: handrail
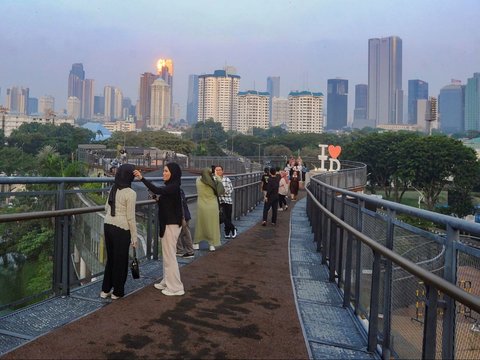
x=430, y=278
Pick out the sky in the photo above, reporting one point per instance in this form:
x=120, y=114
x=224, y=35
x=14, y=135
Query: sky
x=305, y=42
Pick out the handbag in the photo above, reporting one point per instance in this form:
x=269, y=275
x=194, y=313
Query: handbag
x=134, y=265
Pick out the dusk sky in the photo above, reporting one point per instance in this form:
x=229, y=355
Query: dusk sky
x=305, y=42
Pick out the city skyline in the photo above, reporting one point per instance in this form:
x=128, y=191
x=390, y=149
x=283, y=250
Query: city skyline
x=305, y=44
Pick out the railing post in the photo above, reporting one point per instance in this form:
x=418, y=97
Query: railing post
x=61, y=250
x=156, y=237
x=387, y=293
x=332, y=247
x=450, y=274
x=358, y=256
x=374, y=302
x=348, y=272
x=430, y=325
x=340, y=240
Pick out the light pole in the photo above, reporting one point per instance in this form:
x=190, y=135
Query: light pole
x=259, y=144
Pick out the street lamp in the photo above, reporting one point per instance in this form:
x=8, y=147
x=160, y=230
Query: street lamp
x=259, y=144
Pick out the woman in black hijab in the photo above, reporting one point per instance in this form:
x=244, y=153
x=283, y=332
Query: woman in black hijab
x=170, y=221
x=120, y=229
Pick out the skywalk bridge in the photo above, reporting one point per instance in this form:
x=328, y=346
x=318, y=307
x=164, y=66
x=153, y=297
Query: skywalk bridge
x=365, y=283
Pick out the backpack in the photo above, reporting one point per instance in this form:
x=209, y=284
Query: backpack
x=185, y=211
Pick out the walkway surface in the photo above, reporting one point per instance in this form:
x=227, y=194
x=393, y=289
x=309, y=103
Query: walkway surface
x=262, y=295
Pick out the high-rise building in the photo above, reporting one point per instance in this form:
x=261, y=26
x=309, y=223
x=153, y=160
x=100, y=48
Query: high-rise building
x=82, y=89
x=385, y=94
x=32, y=105
x=337, y=103
x=192, y=100
x=144, y=99
x=109, y=96
x=176, y=111
x=417, y=90
x=279, y=111
x=426, y=118
x=17, y=99
x=160, y=112
x=46, y=104
x=360, y=110
x=253, y=111
x=218, y=98
x=165, y=71
x=305, y=112
x=472, y=103
x=73, y=107
x=451, y=108
x=87, y=103
x=118, y=104
x=273, y=88
x=99, y=105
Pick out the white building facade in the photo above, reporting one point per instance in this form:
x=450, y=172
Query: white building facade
x=218, y=98
x=73, y=107
x=305, y=112
x=253, y=111
x=279, y=111
x=160, y=110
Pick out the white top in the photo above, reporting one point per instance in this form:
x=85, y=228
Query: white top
x=124, y=212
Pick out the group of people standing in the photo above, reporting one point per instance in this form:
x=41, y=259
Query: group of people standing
x=214, y=193
x=278, y=184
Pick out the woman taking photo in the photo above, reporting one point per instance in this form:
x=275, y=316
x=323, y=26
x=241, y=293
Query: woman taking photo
x=170, y=221
x=120, y=230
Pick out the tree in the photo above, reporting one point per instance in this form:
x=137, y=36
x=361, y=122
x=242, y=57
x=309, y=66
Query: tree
x=433, y=162
x=14, y=161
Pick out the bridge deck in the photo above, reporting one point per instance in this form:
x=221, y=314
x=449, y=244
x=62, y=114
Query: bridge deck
x=241, y=302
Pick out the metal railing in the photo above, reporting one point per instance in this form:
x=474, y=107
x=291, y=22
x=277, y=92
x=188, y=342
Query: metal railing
x=76, y=224
x=417, y=291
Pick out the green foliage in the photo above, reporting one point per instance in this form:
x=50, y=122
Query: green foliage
x=96, y=197
x=38, y=240
x=159, y=139
x=32, y=137
x=14, y=161
x=208, y=130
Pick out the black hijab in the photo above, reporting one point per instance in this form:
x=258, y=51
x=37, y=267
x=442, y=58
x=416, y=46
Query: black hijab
x=123, y=179
x=176, y=172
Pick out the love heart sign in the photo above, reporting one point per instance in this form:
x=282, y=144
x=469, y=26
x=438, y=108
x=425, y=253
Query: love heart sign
x=334, y=152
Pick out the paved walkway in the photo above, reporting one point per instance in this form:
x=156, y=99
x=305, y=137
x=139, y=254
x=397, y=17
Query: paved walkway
x=239, y=303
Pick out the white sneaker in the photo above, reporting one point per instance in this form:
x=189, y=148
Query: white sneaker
x=212, y=248
x=234, y=235
x=196, y=247
x=115, y=297
x=171, y=293
x=105, y=295
x=159, y=286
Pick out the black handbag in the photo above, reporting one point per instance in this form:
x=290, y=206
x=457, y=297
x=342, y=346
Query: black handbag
x=134, y=265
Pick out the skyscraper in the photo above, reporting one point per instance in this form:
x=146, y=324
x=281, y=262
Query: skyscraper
x=109, y=96
x=82, y=89
x=217, y=98
x=451, y=108
x=279, y=112
x=165, y=71
x=417, y=90
x=160, y=112
x=360, y=110
x=337, y=103
x=17, y=100
x=252, y=111
x=144, y=99
x=385, y=94
x=472, y=103
x=46, y=104
x=192, y=100
x=273, y=88
x=305, y=112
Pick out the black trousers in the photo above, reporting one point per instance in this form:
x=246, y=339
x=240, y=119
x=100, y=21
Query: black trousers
x=282, y=200
x=227, y=212
x=270, y=204
x=117, y=243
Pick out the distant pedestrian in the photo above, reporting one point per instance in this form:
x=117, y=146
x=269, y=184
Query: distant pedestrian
x=207, y=224
x=170, y=221
x=265, y=177
x=120, y=231
x=271, y=198
x=226, y=203
x=283, y=189
x=294, y=185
